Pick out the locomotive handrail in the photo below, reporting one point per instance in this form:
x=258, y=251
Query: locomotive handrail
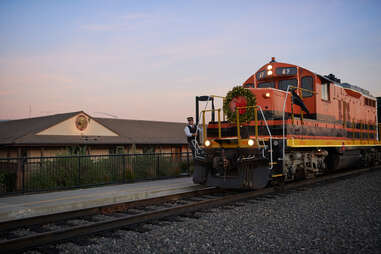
x=223, y=100
x=256, y=107
x=203, y=122
x=238, y=123
x=283, y=116
x=255, y=119
x=301, y=97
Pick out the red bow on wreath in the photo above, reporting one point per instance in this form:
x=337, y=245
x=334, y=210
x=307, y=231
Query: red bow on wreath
x=236, y=102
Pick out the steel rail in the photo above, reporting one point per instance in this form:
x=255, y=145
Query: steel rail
x=94, y=227
x=103, y=209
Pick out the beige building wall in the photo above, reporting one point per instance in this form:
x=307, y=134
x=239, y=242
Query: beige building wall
x=34, y=152
x=49, y=152
x=12, y=153
x=99, y=151
x=68, y=127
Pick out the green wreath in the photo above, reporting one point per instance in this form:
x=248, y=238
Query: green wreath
x=239, y=97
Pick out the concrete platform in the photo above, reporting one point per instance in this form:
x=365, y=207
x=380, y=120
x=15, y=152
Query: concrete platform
x=31, y=205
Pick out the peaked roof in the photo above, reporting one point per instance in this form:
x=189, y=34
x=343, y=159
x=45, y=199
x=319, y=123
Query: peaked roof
x=22, y=132
x=146, y=132
x=13, y=130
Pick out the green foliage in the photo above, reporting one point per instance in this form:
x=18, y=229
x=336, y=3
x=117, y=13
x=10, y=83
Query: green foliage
x=74, y=171
x=77, y=150
x=169, y=166
x=69, y=171
x=7, y=181
x=245, y=115
x=144, y=167
x=2, y=178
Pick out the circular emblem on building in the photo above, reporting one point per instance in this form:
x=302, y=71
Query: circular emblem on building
x=81, y=122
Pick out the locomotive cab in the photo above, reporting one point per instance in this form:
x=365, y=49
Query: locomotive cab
x=271, y=83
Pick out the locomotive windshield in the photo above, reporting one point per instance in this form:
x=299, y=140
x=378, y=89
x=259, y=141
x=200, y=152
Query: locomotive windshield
x=283, y=84
x=266, y=84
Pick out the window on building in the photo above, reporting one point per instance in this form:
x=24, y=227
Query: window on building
x=325, y=91
x=112, y=150
x=307, y=83
x=283, y=84
x=116, y=150
x=78, y=150
x=148, y=149
x=266, y=84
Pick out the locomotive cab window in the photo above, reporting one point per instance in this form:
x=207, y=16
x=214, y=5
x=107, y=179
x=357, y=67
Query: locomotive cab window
x=266, y=84
x=307, y=83
x=325, y=91
x=283, y=84
x=370, y=102
x=248, y=85
x=261, y=74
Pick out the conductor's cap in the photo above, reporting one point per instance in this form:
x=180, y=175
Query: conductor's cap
x=190, y=118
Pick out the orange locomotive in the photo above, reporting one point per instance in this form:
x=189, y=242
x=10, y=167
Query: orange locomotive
x=284, y=123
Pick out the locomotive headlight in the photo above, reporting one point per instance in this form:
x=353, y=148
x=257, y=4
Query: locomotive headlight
x=207, y=143
x=269, y=67
x=267, y=95
x=250, y=142
x=269, y=73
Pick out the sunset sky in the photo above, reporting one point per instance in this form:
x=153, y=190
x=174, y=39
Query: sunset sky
x=149, y=59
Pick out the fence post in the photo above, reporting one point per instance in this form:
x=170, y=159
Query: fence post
x=124, y=168
x=158, y=165
x=79, y=170
x=23, y=173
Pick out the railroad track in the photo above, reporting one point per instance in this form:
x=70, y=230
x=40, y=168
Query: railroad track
x=130, y=213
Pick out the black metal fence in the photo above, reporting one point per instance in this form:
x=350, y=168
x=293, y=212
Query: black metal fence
x=36, y=174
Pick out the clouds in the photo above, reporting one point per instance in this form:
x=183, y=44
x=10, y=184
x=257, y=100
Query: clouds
x=130, y=21
x=149, y=60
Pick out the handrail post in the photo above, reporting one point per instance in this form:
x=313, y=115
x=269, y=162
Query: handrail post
x=256, y=122
x=203, y=126
x=292, y=113
x=223, y=114
x=238, y=129
x=219, y=123
x=301, y=111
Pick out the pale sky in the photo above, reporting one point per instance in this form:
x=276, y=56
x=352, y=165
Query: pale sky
x=149, y=59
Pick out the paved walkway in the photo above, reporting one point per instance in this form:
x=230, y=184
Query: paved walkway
x=30, y=205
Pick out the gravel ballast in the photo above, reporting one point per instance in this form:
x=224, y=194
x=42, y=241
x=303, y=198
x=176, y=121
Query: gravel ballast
x=337, y=217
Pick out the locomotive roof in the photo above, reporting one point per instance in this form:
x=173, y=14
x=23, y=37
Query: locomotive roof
x=347, y=86
x=330, y=78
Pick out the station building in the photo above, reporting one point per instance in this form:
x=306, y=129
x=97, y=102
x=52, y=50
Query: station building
x=56, y=134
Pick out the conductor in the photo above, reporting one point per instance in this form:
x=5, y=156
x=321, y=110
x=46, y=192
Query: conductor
x=191, y=131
